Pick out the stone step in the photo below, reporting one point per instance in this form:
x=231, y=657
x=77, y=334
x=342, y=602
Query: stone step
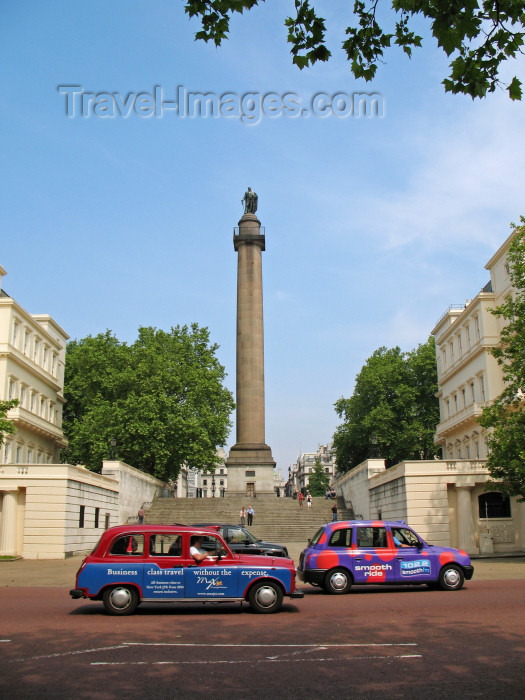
x=279, y=520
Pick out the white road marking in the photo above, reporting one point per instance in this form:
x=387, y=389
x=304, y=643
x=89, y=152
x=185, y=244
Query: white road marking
x=4, y=641
x=250, y=661
x=273, y=646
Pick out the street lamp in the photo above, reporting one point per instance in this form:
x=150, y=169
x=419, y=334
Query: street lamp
x=373, y=440
x=112, y=449
x=213, y=485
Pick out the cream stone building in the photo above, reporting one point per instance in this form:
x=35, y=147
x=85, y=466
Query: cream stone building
x=446, y=500
x=50, y=510
x=32, y=357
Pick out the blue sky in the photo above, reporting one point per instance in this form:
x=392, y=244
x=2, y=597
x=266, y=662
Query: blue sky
x=373, y=226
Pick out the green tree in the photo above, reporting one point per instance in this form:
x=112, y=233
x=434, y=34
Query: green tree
x=7, y=427
x=393, y=403
x=506, y=416
x=477, y=36
x=161, y=397
x=318, y=480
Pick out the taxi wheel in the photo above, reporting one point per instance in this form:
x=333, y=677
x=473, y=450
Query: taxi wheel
x=451, y=578
x=120, y=600
x=265, y=597
x=337, y=581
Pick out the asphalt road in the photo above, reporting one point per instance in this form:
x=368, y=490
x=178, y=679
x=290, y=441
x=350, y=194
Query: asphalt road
x=374, y=642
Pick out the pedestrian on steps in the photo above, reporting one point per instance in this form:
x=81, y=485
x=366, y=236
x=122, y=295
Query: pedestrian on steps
x=242, y=516
x=250, y=512
x=309, y=499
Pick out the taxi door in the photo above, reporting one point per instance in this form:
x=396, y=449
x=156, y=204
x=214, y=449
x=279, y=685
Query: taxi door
x=413, y=562
x=164, y=570
x=373, y=560
x=211, y=578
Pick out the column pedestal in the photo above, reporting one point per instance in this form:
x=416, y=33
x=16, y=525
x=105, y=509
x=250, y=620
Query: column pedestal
x=466, y=534
x=8, y=525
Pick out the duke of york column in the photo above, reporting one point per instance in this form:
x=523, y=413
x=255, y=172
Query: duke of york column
x=250, y=462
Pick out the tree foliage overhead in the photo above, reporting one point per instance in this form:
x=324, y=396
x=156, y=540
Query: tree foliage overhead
x=394, y=404
x=318, y=480
x=7, y=427
x=506, y=416
x=161, y=397
x=477, y=37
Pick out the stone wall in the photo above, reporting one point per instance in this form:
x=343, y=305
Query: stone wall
x=135, y=488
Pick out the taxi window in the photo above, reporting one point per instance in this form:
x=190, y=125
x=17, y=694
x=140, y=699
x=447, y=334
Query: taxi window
x=341, y=538
x=165, y=545
x=210, y=543
x=128, y=545
x=371, y=537
x=405, y=536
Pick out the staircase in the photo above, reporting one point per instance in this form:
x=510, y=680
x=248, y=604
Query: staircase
x=280, y=520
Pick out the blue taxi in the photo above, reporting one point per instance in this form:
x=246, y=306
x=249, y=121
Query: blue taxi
x=379, y=552
x=132, y=564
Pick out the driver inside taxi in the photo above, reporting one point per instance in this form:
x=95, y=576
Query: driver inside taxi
x=200, y=554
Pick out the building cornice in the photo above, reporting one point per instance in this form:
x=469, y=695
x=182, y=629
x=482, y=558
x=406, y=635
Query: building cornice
x=502, y=250
x=36, y=320
x=13, y=354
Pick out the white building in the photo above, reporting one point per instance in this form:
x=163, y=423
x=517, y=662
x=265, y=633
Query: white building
x=32, y=357
x=303, y=468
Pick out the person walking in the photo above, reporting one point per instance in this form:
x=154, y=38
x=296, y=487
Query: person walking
x=334, y=513
x=300, y=498
x=250, y=513
x=141, y=515
x=309, y=499
x=242, y=516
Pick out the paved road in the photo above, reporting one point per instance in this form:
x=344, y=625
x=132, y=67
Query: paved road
x=395, y=643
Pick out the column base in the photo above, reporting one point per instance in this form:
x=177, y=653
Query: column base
x=250, y=470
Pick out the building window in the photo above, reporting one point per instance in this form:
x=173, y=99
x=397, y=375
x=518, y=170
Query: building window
x=26, y=342
x=15, y=333
x=36, y=350
x=444, y=356
x=472, y=393
x=482, y=387
x=53, y=364
x=221, y=482
x=494, y=505
x=7, y=452
x=11, y=389
x=460, y=345
x=97, y=513
x=478, y=332
x=44, y=358
x=464, y=397
x=249, y=473
x=467, y=332
x=18, y=454
x=451, y=346
x=204, y=482
x=106, y=521
x=455, y=403
x=30, y=456
x=81, y=516
x=22, y=395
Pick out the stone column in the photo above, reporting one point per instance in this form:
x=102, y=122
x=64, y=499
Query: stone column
x=466, y=540
x=250, y=453
x=8, y=525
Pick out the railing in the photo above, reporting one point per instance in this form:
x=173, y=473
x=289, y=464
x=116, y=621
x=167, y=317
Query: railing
x=452, y=307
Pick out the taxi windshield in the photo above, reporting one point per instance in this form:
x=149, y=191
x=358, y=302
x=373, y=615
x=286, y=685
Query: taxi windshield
x=317, y=536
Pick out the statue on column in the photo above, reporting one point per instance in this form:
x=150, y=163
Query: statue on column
x=250, y=201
